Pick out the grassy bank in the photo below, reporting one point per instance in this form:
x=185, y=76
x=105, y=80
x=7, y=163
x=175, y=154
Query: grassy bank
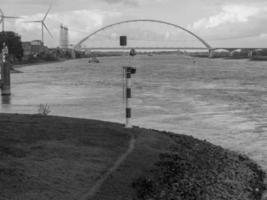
x=61, y=158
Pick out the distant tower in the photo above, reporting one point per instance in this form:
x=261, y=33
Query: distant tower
x=64, y=37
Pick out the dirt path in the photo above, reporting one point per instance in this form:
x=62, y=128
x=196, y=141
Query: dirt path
x=91, y=193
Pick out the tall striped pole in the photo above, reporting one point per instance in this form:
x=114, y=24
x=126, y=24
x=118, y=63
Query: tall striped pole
x=127, y=91
x=128, y=71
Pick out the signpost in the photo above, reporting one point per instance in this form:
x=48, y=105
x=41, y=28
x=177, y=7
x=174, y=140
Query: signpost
x=5, y=72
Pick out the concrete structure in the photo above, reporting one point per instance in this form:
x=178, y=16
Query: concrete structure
x=232, y=51
x=64, y=37
x=37, y=47
x=219, y=53
x=27, y=48
x=211, y=53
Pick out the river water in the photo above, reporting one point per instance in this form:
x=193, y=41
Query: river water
x=222, y=101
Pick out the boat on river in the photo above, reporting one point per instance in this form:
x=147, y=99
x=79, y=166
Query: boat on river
x=93, y=60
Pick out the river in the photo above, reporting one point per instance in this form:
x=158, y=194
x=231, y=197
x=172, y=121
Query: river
x=222, y=101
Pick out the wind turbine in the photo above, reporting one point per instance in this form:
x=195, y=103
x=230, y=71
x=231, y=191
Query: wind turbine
x=43, y=25
x=3, y=17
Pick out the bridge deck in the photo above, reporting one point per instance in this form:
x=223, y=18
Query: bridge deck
x=170, y=48
x=146, y=48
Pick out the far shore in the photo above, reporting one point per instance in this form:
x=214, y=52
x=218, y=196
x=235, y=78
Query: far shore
x=40, y=62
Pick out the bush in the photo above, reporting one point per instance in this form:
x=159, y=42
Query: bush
x=44, y=109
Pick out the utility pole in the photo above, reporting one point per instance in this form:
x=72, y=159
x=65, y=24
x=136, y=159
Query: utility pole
x=42, y=32
x=3, y=24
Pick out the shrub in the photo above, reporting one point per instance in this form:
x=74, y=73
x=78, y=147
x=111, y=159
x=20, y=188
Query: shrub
x=44, y=109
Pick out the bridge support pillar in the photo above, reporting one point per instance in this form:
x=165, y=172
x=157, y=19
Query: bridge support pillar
x=231, y=53
x=250, y=53
x=211, y=53
x=73, y=55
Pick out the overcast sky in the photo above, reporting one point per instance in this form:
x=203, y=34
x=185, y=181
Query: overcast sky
x=219, y=22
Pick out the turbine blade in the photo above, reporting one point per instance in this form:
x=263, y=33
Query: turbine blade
x=50, y=6
x=32, y=21
x=47, y=30
x=11, y=17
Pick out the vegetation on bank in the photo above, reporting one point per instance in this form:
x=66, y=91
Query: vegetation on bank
x=47, y=157
x=13, y=41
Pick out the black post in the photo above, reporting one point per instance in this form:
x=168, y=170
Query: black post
x=5, y=72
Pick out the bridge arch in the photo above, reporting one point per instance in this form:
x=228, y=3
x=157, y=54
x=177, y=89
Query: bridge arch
x=144, y=20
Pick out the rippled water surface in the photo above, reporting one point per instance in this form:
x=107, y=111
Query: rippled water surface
x=222, y=101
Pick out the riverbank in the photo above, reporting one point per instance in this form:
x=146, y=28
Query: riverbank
x=15, y=68
x=37, y=62
x=62, y=158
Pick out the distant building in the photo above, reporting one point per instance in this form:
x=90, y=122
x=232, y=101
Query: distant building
x=27, y=48
x=33, y=48
x=37, y=47
x=64, y=37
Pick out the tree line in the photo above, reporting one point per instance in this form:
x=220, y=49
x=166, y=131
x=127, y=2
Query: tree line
x=13, y=42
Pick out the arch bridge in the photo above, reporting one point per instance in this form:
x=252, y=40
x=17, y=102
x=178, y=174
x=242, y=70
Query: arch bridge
x=206, y=45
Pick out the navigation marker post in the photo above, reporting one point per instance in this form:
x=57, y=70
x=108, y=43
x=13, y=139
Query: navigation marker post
x=127, y=91
x=5, y=72
x=128, y=71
